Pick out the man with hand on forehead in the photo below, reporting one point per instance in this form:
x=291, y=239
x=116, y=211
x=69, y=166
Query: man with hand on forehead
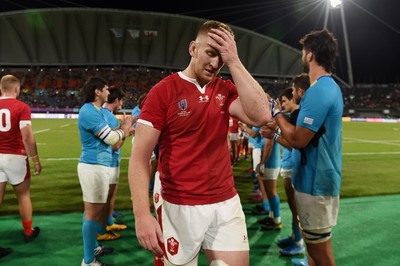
x=187, y=114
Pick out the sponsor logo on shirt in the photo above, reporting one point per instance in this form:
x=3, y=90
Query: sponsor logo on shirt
x=204, y=99
x=220, y=99
x=183, y=105
x=308, y=120
x=172, y=246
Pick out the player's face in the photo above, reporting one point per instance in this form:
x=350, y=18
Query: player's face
x=286, y=104
x=103, y=95
x=297, y=94
x=207, y=61
x=119, y=105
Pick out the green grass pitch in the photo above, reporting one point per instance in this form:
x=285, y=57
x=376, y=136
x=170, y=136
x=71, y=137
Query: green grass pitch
x=371, y=156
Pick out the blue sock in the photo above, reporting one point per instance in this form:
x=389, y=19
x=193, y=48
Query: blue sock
x=102, y=229
x=89, y=233
x=266, y=206
x=110, y=220
x=296, y=233
x=274, y=203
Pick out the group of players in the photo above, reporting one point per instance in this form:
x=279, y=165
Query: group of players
x=187, y=116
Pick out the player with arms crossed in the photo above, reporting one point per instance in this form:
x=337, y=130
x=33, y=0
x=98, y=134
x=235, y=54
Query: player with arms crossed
x=187, y=113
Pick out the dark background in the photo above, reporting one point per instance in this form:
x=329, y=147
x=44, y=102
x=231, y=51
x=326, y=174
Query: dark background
x=373, y=26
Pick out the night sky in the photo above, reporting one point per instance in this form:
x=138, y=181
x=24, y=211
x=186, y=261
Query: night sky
x=373, y=26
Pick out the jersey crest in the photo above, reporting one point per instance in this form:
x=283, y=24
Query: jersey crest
x=220, y=99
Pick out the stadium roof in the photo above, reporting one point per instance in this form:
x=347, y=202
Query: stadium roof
x=97, y=36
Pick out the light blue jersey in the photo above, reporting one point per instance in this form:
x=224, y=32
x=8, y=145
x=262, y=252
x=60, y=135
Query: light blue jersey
x=113, y=123
x=94, y=151
x=322, y=105
x=135, y=113
x=258, y=141
x=274, y=159
x=286, y=162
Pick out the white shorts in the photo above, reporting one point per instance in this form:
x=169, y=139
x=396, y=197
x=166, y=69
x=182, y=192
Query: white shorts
x=14, y=168
x=316, y=212
x=187, y=229
x=95, y=182
x=233, y=136
x=115, y=175
x=157, y=199
x=286, y=173
x=256, y=157
x=270, y=174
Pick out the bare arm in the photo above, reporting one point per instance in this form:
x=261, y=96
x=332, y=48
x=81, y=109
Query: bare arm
x=267, y=149
x=252, y=105
x=31, y=148
x=148, y=230
x=297, y=136
x=251, y=132
x=270, y=132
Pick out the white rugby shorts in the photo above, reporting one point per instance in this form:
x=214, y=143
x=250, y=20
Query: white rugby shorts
x=286, y=173
x=14, y=168
x=95, y=182
x=187, y=229
x=316, y=212
x=114, y=180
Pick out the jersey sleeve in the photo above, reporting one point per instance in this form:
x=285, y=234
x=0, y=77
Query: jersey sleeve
x=93, y=120
x=25, y=112
x=313, y=109
x=154, y=107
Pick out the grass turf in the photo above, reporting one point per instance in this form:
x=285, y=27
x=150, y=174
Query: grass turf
x=371, y=152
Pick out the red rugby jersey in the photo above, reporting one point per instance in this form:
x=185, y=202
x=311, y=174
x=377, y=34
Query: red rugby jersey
x=12, y=112
x=194, y=160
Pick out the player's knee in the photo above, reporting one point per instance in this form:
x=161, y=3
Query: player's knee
x=218, y=263
x=317, y=236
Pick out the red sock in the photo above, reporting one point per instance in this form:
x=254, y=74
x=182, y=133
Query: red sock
x=27, y=224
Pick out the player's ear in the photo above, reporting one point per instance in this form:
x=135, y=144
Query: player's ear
x=192, y=47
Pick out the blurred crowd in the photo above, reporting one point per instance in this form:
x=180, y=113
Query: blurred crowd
x=59, y=88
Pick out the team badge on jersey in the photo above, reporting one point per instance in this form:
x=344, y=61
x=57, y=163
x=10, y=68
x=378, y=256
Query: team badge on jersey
x=183, y=104
x=172, y=246
x=204, y=99
x=220, y=99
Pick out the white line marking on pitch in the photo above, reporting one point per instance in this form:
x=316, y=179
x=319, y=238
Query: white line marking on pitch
x=64, y=125
x=372, y=153
x=373, y=141
x=41, y=131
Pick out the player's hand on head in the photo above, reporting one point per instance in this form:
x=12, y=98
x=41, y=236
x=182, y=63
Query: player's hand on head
x=222, y=41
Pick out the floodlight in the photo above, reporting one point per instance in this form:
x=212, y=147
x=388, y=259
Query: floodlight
x=335, y=3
